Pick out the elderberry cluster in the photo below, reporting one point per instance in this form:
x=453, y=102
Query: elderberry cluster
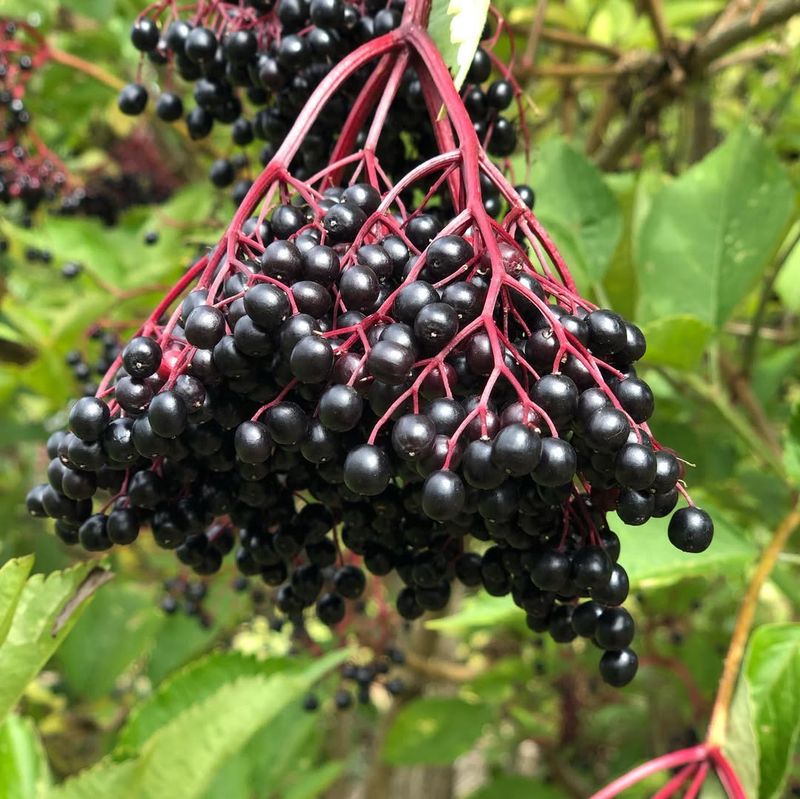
x=340, y=400
x=257, y=70
x=25, y=175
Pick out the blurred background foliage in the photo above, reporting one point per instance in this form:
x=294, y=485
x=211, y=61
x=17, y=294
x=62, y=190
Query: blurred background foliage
x=667, y=173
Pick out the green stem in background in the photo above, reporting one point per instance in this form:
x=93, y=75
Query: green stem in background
x=750, y=347
x=718, y=725
x=719, y=400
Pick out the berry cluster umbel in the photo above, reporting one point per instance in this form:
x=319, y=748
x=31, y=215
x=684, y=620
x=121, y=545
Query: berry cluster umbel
x=29, y=172
x=253, y=67
x=369, y=375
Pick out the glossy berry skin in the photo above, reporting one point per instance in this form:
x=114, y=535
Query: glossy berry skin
x=618, y=668
x=267, y=305
x=446, y=255
x=517, y=450
x=340, y=408
x=435, y=325
x=691, y=530
x=607, y=333
x=614, y=629
x=390, y=363
x=205, y=326
x=142, y=357
x=413, y=436
x=330, y=609
x=443, y=496
x=558, y=396
x=253, y=443
x=551, y=570
x=89, y=418
x=350, y=582
x=635, y=466
x=591, y=567
x=557, y=463
x=367, y=470
x=144, y=35
x=132, y=99
x=607, y=429
x=167, y=414
x=312, y=360
x=585, y=618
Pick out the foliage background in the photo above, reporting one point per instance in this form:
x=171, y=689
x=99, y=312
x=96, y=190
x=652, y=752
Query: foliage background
x=691, y=231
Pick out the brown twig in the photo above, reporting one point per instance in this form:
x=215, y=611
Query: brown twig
x=440, y=669
x=748, y=55
x=742, y=393
x=655, y=14
x=570, y=39
x=592, y=71
x=718, y=725
x=81, y=65
x=694, y=60
x=534, y=36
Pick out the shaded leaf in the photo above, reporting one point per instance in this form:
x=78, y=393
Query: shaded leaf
x=434, y=731
x=114, y=632
x=510, y=786
x=577, y=207
x=677, y=341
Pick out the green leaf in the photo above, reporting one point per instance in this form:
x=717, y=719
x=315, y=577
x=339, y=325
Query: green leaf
x=194, y=683
x=791, y=448
x=510, y=786
x=434, y=731
x=650, y=559
x=710, y=234
x=772, y=673
x=46, y=611
x=314, y=783
x=23, y=763
x=456, y=27
x=13, y=575
x=476, y=612
x=677, y=341
x=741, y=742
x=577, y=207
x=787, y=286
x=115, y=632
x=181, y=759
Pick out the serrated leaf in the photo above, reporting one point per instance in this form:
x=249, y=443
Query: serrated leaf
x=456, y=27
x=194, y=683
x=579, y=210
x=650, y=559
x=23, y=763
x=434, y=731
x=772, y=673
x=181, y=759
x=13, y=575
x=711, y=233
x=47, y=609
